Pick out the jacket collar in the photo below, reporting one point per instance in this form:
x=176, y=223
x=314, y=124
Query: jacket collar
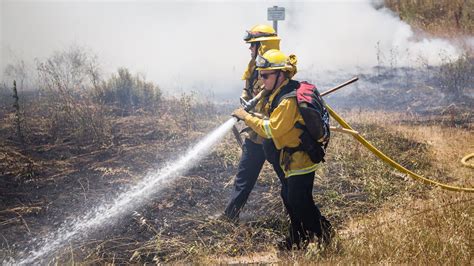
x=277, y=91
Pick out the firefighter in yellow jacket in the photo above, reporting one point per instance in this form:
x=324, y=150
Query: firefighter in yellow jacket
x=261, y=38
x=276, y=70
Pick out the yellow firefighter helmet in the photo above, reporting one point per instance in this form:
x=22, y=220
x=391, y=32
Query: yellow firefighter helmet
x=272, y=59
x=260, y=32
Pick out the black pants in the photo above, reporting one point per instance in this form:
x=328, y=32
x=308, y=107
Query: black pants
x=296, y=192
x=304, y=215
x=250, y=165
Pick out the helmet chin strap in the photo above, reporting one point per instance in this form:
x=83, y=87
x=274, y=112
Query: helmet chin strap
x=276, y=80
x=257, y=47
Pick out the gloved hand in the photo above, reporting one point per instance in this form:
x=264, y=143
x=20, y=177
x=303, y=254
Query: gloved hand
x=239, y=113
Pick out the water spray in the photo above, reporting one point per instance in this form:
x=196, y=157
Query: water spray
x=131, y=198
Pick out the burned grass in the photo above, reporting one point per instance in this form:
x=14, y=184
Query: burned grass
x=46, y=183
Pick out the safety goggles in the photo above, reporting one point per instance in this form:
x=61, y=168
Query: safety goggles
x=251, y=35
x=261, y=62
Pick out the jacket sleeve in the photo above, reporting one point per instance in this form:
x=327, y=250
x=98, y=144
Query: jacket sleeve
x=244, y=93
x=281, y=121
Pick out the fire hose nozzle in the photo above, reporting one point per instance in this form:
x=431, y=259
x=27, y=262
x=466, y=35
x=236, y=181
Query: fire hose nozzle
x=248, y=105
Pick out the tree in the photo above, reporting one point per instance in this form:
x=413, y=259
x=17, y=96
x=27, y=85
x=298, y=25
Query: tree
x=17, y=71
x=69, y=72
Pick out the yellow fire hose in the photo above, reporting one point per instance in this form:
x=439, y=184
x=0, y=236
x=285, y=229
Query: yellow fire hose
x=394, y=164
x=465, y=158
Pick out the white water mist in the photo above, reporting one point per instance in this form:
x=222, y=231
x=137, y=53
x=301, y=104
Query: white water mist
x=131, y=198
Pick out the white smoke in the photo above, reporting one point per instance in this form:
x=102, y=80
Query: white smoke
x=198, y=45
x=341, y=35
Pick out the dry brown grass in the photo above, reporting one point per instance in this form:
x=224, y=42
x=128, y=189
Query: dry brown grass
x=435, y=227
x=427, y=231
x=443, y=17
x=380, y=215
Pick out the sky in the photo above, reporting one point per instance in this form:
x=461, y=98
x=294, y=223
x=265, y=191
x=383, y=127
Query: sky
x=182, y=45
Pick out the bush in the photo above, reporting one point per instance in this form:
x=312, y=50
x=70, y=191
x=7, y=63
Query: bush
x=70, y=72
x=128, y=92
x=65, y=81
x=455, y=77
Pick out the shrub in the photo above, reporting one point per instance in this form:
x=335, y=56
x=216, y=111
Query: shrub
x=65, y=80
x=128, y=91
x=455, y=77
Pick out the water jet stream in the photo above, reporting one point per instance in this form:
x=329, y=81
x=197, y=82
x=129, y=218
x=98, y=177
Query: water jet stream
x=131, y=198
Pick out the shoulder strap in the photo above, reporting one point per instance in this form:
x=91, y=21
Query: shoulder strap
x=288, y=91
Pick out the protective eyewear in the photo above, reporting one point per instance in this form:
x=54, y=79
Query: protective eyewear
x=251, y=35
x=261, y=62
x=267, y=75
